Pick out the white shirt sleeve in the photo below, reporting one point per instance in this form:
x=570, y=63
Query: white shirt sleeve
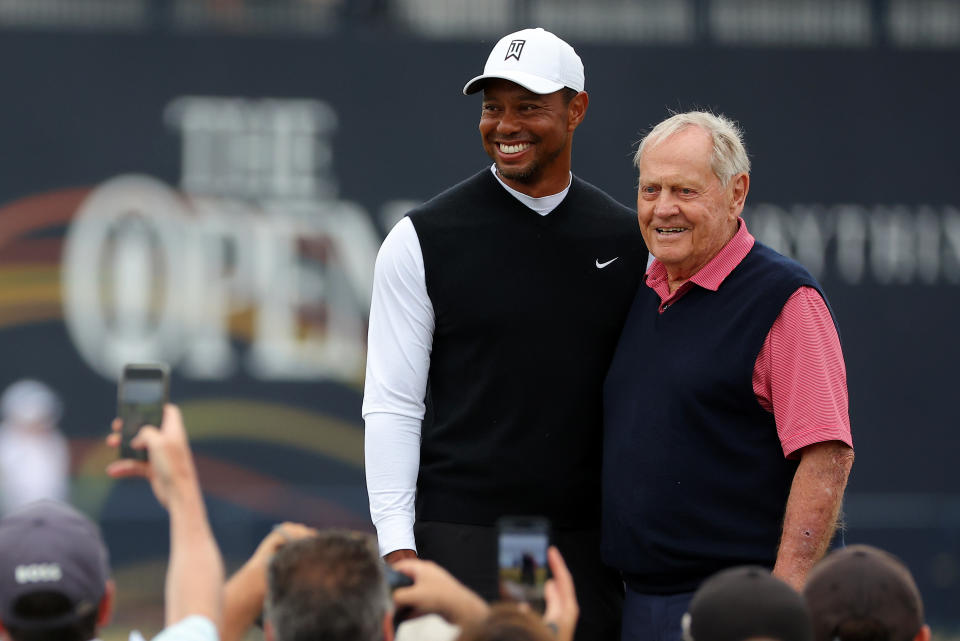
x=192, y=628
x=398, y=361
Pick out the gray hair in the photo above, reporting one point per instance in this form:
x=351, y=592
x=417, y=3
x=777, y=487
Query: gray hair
x=729, y=153
x=332, y=586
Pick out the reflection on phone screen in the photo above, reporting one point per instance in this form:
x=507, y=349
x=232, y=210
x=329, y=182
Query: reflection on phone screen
x=141, y=403
x=523, y=566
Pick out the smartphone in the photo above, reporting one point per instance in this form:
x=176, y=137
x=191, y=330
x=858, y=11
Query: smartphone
x=396, y=579
x=143, y=391
x=523, y=571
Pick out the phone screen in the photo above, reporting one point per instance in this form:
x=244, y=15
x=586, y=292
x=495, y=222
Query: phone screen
x=523, y=569
x=141, y=396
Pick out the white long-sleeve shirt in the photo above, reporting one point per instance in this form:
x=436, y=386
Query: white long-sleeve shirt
x=399, y=343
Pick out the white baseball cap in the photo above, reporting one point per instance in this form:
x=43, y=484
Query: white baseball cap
x=532, y=58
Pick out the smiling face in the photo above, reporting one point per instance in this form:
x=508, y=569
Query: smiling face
x=529, y=135
x=686, y=216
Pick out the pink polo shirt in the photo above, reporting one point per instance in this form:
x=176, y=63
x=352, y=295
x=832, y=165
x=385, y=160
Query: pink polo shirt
x=799, y=375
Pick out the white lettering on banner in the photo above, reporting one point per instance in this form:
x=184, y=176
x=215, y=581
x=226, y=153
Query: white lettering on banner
x=255, y=148
x=886, y=244
x=338, y=286
x=766, y=223
x=257, y=249
x=152, y=275
x=258, y=234
x=927, y=224
x=121, y=274
x=220, y=255
x=851, y=243
x=811, y=237
x=951, y=256
x=892, y=245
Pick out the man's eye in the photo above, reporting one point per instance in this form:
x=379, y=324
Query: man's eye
x=686, y=191
x=648, y=189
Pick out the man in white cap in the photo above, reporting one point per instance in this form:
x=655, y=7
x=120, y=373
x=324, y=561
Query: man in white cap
x=497, y=305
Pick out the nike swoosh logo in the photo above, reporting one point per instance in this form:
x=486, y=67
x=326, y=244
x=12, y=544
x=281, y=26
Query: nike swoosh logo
x=602, y=265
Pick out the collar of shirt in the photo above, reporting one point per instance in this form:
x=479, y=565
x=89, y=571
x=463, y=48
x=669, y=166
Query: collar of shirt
x=710, y=275
x=543, y=205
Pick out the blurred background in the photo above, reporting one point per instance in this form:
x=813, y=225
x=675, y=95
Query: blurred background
x=206, y=183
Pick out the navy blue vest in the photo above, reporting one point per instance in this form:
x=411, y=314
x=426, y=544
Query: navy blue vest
x=694, y=477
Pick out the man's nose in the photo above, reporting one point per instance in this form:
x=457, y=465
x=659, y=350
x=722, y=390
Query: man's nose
x=509, y=123
x=665, y=204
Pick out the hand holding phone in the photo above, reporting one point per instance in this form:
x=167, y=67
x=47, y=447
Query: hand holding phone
x=433, y=590
x=562, y=608
x=143, y=391
x=523, y=570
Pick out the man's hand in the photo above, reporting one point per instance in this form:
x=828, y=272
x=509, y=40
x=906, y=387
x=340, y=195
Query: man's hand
x=399, y=555
x=435, y=591
x=170, y=469
x=195, y=570
x=280, y=535
x=244, y=593
x=562, y=607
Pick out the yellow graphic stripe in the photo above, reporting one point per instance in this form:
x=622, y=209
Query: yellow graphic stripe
x=232, y=418
x=29, y=294
x=274, y=423
x=255, y=421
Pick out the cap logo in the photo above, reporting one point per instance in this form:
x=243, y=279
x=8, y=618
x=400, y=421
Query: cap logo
x=38, y=573
x=515, y=49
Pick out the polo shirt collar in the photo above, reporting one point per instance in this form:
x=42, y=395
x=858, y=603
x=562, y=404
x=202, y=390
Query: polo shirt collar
x=712, y=275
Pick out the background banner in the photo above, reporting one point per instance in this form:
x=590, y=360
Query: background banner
x=217, y=203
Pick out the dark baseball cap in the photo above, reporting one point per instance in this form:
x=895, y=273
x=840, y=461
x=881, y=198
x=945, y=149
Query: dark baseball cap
x=746, y=602
x=862, y=590
x=48, y=546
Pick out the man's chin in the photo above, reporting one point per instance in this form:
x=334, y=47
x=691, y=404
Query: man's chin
x=518, y=174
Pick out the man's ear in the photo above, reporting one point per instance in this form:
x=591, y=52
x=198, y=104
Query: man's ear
x=105, y=608
x=740, y=185
x=577, y=110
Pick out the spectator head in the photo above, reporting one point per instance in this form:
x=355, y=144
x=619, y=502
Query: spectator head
x=54, y=574
x=29, y=402
x=746, y=602
x=330, y=586
x=861, y=593
x=506, y=622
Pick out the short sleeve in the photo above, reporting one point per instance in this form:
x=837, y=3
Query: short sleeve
x=800, y=375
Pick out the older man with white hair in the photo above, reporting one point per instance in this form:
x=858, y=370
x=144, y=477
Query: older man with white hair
x=727, y=437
